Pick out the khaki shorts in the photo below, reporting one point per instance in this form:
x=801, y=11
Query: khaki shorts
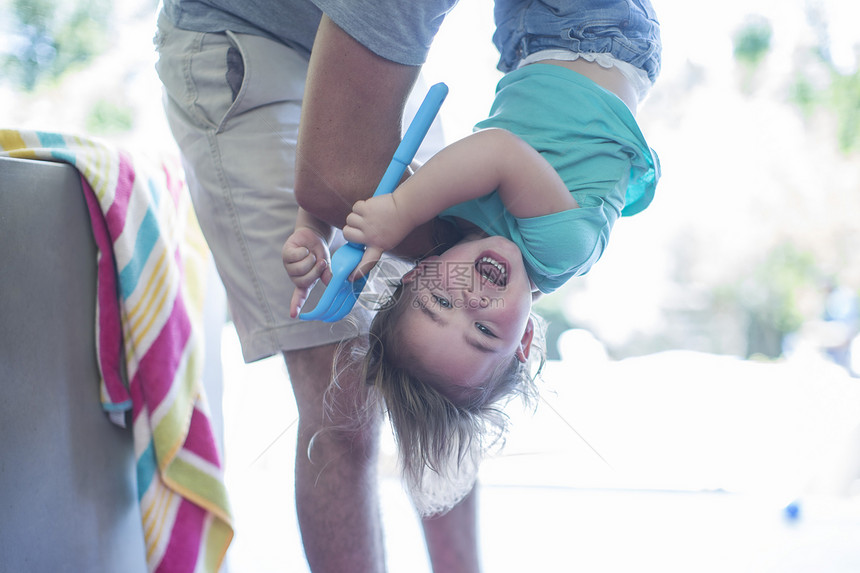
x=238, y=142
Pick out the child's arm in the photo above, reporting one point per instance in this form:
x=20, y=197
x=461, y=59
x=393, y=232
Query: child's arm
x=306, y=257
x=483, y=162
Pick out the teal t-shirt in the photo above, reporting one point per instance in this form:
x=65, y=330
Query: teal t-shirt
x=593, y=141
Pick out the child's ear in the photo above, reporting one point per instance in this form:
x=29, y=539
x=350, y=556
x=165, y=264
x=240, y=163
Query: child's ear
x=525, y=346
x=416, y=271
x=411, y=275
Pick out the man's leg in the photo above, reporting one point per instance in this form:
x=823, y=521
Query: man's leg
x=239, y=156
x=352, y=92
x=452, y=539
x=337, y=498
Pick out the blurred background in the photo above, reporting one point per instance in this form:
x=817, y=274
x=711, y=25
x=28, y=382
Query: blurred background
x=714, y=347
x=751, y=240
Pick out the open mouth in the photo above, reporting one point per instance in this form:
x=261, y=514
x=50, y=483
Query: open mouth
x=492, y=270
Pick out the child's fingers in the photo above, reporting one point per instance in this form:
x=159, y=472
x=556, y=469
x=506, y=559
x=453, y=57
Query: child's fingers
x=300, y=295
x=368, y=261
x=297, y=267
x=304, y=283
x=307, y=278
x=354, y=234
x=371, y=207
x=353, y=230
x=293, y=253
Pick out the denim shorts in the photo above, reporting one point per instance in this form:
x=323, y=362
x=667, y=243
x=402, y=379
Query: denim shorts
x=626, y=29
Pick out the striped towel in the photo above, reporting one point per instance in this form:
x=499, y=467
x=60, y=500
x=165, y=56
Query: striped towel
x=151, y=269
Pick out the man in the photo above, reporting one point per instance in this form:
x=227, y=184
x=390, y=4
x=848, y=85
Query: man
x=237, y=76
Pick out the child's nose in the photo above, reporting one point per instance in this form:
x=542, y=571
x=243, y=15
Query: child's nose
x=475, y=300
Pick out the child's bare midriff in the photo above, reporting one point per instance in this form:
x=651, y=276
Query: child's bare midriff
x=608, y=78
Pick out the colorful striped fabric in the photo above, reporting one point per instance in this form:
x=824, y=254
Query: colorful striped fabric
x=151, y=269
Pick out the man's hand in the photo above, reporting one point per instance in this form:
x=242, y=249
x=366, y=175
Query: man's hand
x=307, y=260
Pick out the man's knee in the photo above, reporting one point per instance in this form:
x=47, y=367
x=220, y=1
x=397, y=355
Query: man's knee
x=336, y=409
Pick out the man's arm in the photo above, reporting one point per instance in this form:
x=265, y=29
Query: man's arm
x=351, y=123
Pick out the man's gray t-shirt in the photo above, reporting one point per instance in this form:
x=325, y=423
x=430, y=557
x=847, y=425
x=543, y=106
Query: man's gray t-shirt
x=397, y=30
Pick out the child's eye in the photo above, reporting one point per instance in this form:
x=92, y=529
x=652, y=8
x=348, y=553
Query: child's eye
x=484, y=330
x=443, y=302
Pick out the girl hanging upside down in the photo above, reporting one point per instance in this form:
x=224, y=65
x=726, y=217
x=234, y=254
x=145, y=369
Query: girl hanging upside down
x=531, y=197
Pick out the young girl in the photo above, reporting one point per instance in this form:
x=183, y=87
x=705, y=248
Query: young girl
x=534, y=193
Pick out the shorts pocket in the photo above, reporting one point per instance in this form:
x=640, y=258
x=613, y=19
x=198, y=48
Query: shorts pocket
x=208, y=96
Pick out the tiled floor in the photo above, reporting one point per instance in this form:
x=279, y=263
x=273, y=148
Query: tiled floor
x=625, y=466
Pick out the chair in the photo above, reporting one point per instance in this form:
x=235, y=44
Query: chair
x=68, y=499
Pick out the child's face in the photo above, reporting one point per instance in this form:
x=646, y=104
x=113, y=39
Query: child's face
x=468, y=312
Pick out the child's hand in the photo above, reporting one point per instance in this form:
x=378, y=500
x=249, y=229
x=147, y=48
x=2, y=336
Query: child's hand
x=378, y=223
x=306, y=258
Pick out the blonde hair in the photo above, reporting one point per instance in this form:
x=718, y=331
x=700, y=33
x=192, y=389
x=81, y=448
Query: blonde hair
x=441, y=441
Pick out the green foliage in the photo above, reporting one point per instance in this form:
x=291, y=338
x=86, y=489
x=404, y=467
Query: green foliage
x=106, y=117
x=804, y=95
x=840, y=97
x=845, y=102
x=752, y=41
x=769, y=296
x=550, y=308
x=837, y=93
x=51, y=38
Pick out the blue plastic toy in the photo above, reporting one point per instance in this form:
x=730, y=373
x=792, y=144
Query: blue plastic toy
x=340, y=294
